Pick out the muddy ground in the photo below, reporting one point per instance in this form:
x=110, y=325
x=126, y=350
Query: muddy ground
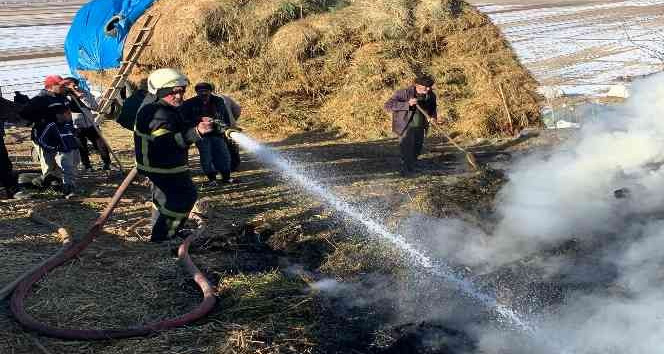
x=269, y=251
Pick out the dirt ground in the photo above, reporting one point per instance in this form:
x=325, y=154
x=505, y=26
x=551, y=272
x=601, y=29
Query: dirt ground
x=267, y=300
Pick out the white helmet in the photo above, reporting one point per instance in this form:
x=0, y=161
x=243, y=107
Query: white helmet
x=165, y=78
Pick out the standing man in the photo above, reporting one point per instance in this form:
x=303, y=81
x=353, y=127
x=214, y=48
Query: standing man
x=8, y=177
x=213, y=147
x=162, y=138
x=84, y=122
x=409, y=123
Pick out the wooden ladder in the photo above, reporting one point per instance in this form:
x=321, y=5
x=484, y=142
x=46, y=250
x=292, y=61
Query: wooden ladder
x=136, y=48
x=144, y=36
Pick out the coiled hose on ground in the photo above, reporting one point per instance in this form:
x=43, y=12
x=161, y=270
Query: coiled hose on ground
x=72, y=250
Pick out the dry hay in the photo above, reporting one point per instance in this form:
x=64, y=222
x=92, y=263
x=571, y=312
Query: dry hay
x=307, y=64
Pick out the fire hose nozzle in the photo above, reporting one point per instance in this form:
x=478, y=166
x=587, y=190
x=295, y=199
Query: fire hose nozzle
x=231, y=130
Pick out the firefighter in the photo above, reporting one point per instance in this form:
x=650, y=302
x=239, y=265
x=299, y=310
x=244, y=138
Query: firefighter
x=162, y=139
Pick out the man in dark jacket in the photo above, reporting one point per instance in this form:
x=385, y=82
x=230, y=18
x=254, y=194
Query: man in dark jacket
x=213, y=148
x=130, y=106
x=8, y=177
x=37, y=113
x=409, y=123
x=161, y=139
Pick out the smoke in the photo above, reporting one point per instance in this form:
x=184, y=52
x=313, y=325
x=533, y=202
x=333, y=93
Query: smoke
x=605, y=293
x=608, y=295
x=569, y=193
x=613, y=297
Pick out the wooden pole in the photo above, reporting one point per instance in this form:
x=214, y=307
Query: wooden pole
x=507, y=110
x=470, y=158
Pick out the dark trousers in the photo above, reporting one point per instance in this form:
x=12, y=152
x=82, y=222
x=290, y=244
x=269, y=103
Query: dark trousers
x=410, y=143
x=85, y=134
x=173, y=197
x=234, y=150
x=7, y=176
x=215, y=157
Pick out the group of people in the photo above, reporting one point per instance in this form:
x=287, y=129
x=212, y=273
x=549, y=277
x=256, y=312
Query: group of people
x=62, y=121
x=171, y=124
x=165, y=125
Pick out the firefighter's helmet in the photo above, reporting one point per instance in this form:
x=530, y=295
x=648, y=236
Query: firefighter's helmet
x=164, y=79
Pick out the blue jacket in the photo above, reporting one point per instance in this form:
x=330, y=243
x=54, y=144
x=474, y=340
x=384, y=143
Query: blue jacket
x=58, y=137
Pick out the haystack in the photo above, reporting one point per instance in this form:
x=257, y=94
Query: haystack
x=303, y=64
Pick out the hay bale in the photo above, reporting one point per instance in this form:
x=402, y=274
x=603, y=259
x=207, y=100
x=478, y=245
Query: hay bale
x=294, y=42
x=179, y=29
x=372, y=76
x=300, y=64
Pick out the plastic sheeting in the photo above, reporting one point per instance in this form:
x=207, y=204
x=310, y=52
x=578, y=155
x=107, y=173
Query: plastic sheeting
x=94, y=41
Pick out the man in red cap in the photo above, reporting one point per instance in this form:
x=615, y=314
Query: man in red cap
x=51, y=81
x=39, y=114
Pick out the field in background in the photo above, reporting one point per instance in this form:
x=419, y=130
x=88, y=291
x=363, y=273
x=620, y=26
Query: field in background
x=582, y=47
x=32, y=35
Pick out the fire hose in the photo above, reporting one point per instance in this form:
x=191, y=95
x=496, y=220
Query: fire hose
x=70, y=251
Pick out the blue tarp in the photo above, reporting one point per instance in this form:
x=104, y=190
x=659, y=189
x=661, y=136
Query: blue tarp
x=89, y=46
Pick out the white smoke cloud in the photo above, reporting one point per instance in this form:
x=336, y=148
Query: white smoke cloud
x=551, y=198
x=568, y=194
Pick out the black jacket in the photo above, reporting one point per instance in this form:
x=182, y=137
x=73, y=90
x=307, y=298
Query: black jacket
x=130, y=107
x=227, y=111
x=162, y=138
x=38, y=111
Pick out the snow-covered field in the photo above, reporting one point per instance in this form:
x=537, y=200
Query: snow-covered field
x=27, y=75
x=32, y=35
x=582, y=47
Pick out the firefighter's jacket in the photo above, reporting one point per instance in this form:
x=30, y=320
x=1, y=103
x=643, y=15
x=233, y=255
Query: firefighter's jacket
x=162, y=139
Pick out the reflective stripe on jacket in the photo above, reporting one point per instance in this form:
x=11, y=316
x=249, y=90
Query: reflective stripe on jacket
x=162, y=139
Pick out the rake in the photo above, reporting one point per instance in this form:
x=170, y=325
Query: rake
x=470, y=158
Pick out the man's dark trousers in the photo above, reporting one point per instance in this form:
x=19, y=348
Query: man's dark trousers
x=90, y=133
x=410, y=143
x=7, y=176
x=173, y=196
